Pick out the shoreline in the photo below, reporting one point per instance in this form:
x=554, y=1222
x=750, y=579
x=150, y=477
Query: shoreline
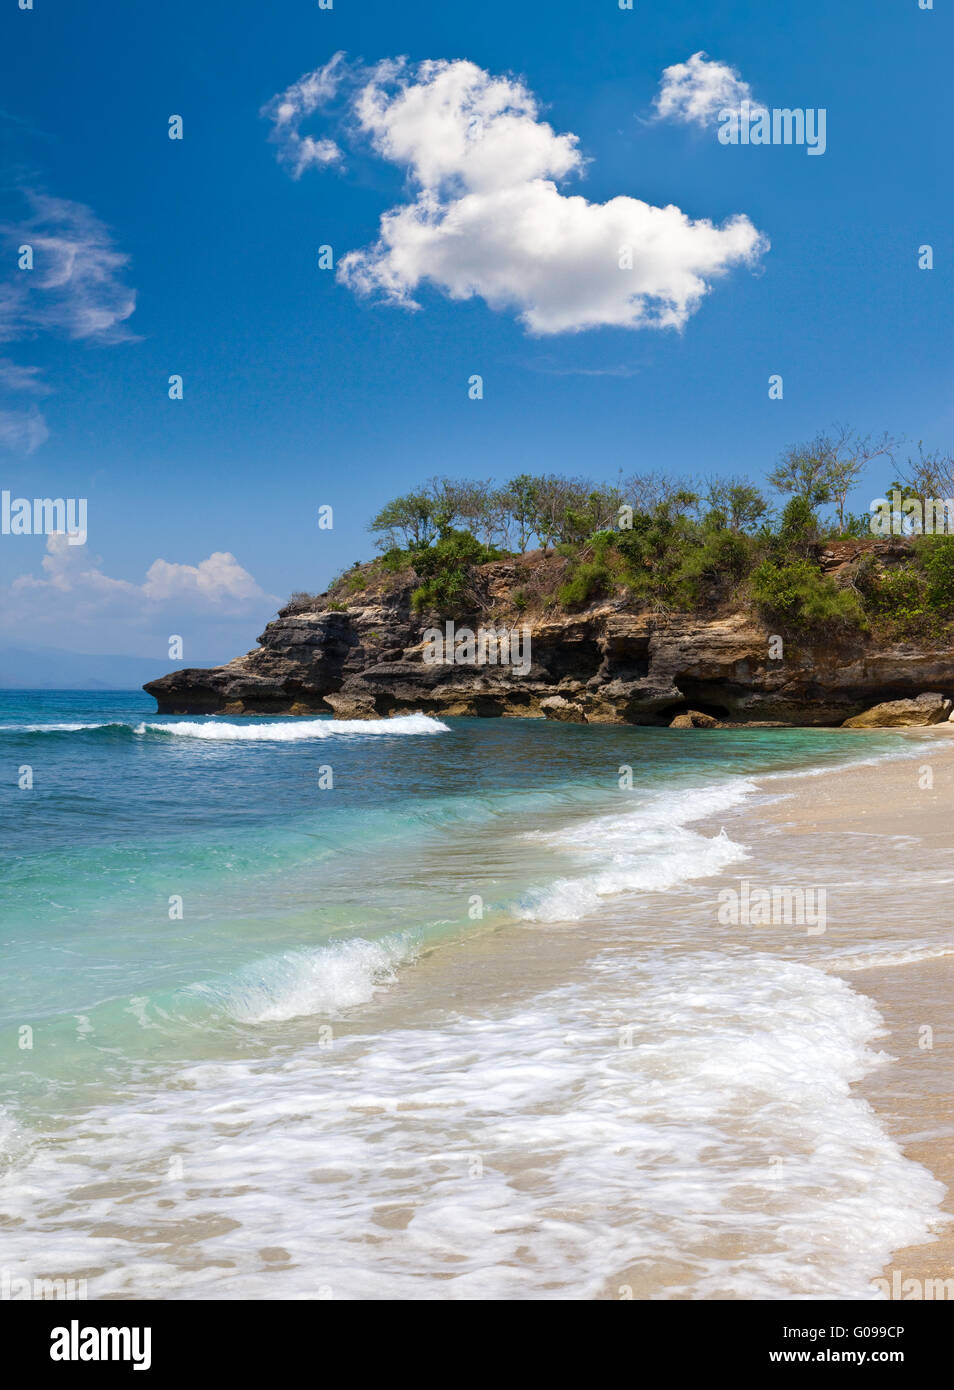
x=736, y=1147
x=913, y=1095
x=876, y=800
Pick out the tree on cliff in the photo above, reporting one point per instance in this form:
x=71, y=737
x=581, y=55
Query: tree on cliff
x=828, y=466
x=927, y=476
x=740, y=505
x=412, y=517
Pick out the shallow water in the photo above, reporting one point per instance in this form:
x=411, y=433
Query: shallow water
x=449, y=1011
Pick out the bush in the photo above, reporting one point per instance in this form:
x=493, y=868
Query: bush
x=446, y=568
x=301, y=600
x=799, y=596
x=896, y=596
x=798, y=530
x=720, y=561
x=589, y=580
x=936, y=557
x=395, y=560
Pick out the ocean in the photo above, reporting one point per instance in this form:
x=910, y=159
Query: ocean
x=422, y=1008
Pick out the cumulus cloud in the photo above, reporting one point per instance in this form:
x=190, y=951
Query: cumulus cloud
x=694, y=92
x=218, y=581
x=294, y=105
x=487, y=218
x=74, y=289
x=74, y=588
x=455, y=127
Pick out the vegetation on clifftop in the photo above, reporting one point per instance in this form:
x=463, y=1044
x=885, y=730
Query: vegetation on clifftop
x=663, y=543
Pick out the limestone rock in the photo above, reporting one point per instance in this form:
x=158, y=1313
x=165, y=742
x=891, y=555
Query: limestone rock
x=692, y=719
x=352, y=706
x=567, y=711
x=903, y=714
x=603, y=665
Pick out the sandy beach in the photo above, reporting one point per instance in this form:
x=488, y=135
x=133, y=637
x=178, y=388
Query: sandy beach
x=842, y=820
x=907, y=802
x=606, y=1086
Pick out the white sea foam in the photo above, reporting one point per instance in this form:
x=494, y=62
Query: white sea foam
x=13, y=1143
x=324, y=981
x=875, y=957
x=56, y=728
x=647, y=849
x=886, y=755
x=686, y=1128
x=295, y=730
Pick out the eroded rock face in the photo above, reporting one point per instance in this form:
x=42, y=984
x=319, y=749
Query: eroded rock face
x=605, y=665
x=903, y=714
x=692, y=719
x=566, y=711
x=351, y=706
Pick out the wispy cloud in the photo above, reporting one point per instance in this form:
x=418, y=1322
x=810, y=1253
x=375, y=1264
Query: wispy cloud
x=65, y=279
x=14, y=377
x=549, y=369
x=75, y=286
x=295, y=104
x=22, y=431
x=486, y=217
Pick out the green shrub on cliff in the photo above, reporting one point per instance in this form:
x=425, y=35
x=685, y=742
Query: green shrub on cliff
x=596, y=569
x=712, y=567
x=797, y=595
x=589, y=580
x=446, y=569
x=651, y=539
x=914, y=594
x=894, y=598
x=936, y=557
x=798, y=530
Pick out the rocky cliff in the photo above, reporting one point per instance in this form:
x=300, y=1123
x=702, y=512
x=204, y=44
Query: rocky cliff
x=366, y=657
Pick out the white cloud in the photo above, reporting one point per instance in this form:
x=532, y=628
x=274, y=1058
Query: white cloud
x=455, y=127
x=487, y=218
x=287, y=111
x=219, y=580
x=75, y=288
x=694, y=92
x=554, y=259
x=14, y=377
x=73, y=588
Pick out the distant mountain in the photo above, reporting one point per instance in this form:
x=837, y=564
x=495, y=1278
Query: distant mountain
x=47, y=668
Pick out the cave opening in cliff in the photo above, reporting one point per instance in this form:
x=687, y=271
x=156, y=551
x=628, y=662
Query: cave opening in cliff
x=700, y=706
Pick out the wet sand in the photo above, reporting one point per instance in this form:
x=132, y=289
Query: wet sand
x=910, y=797
x=849, y=812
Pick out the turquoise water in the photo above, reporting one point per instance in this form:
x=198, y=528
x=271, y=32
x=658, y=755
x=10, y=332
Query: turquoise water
x=125, y=814
x=185, y=893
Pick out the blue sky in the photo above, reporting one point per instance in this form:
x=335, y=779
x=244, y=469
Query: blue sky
x=300, y=391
